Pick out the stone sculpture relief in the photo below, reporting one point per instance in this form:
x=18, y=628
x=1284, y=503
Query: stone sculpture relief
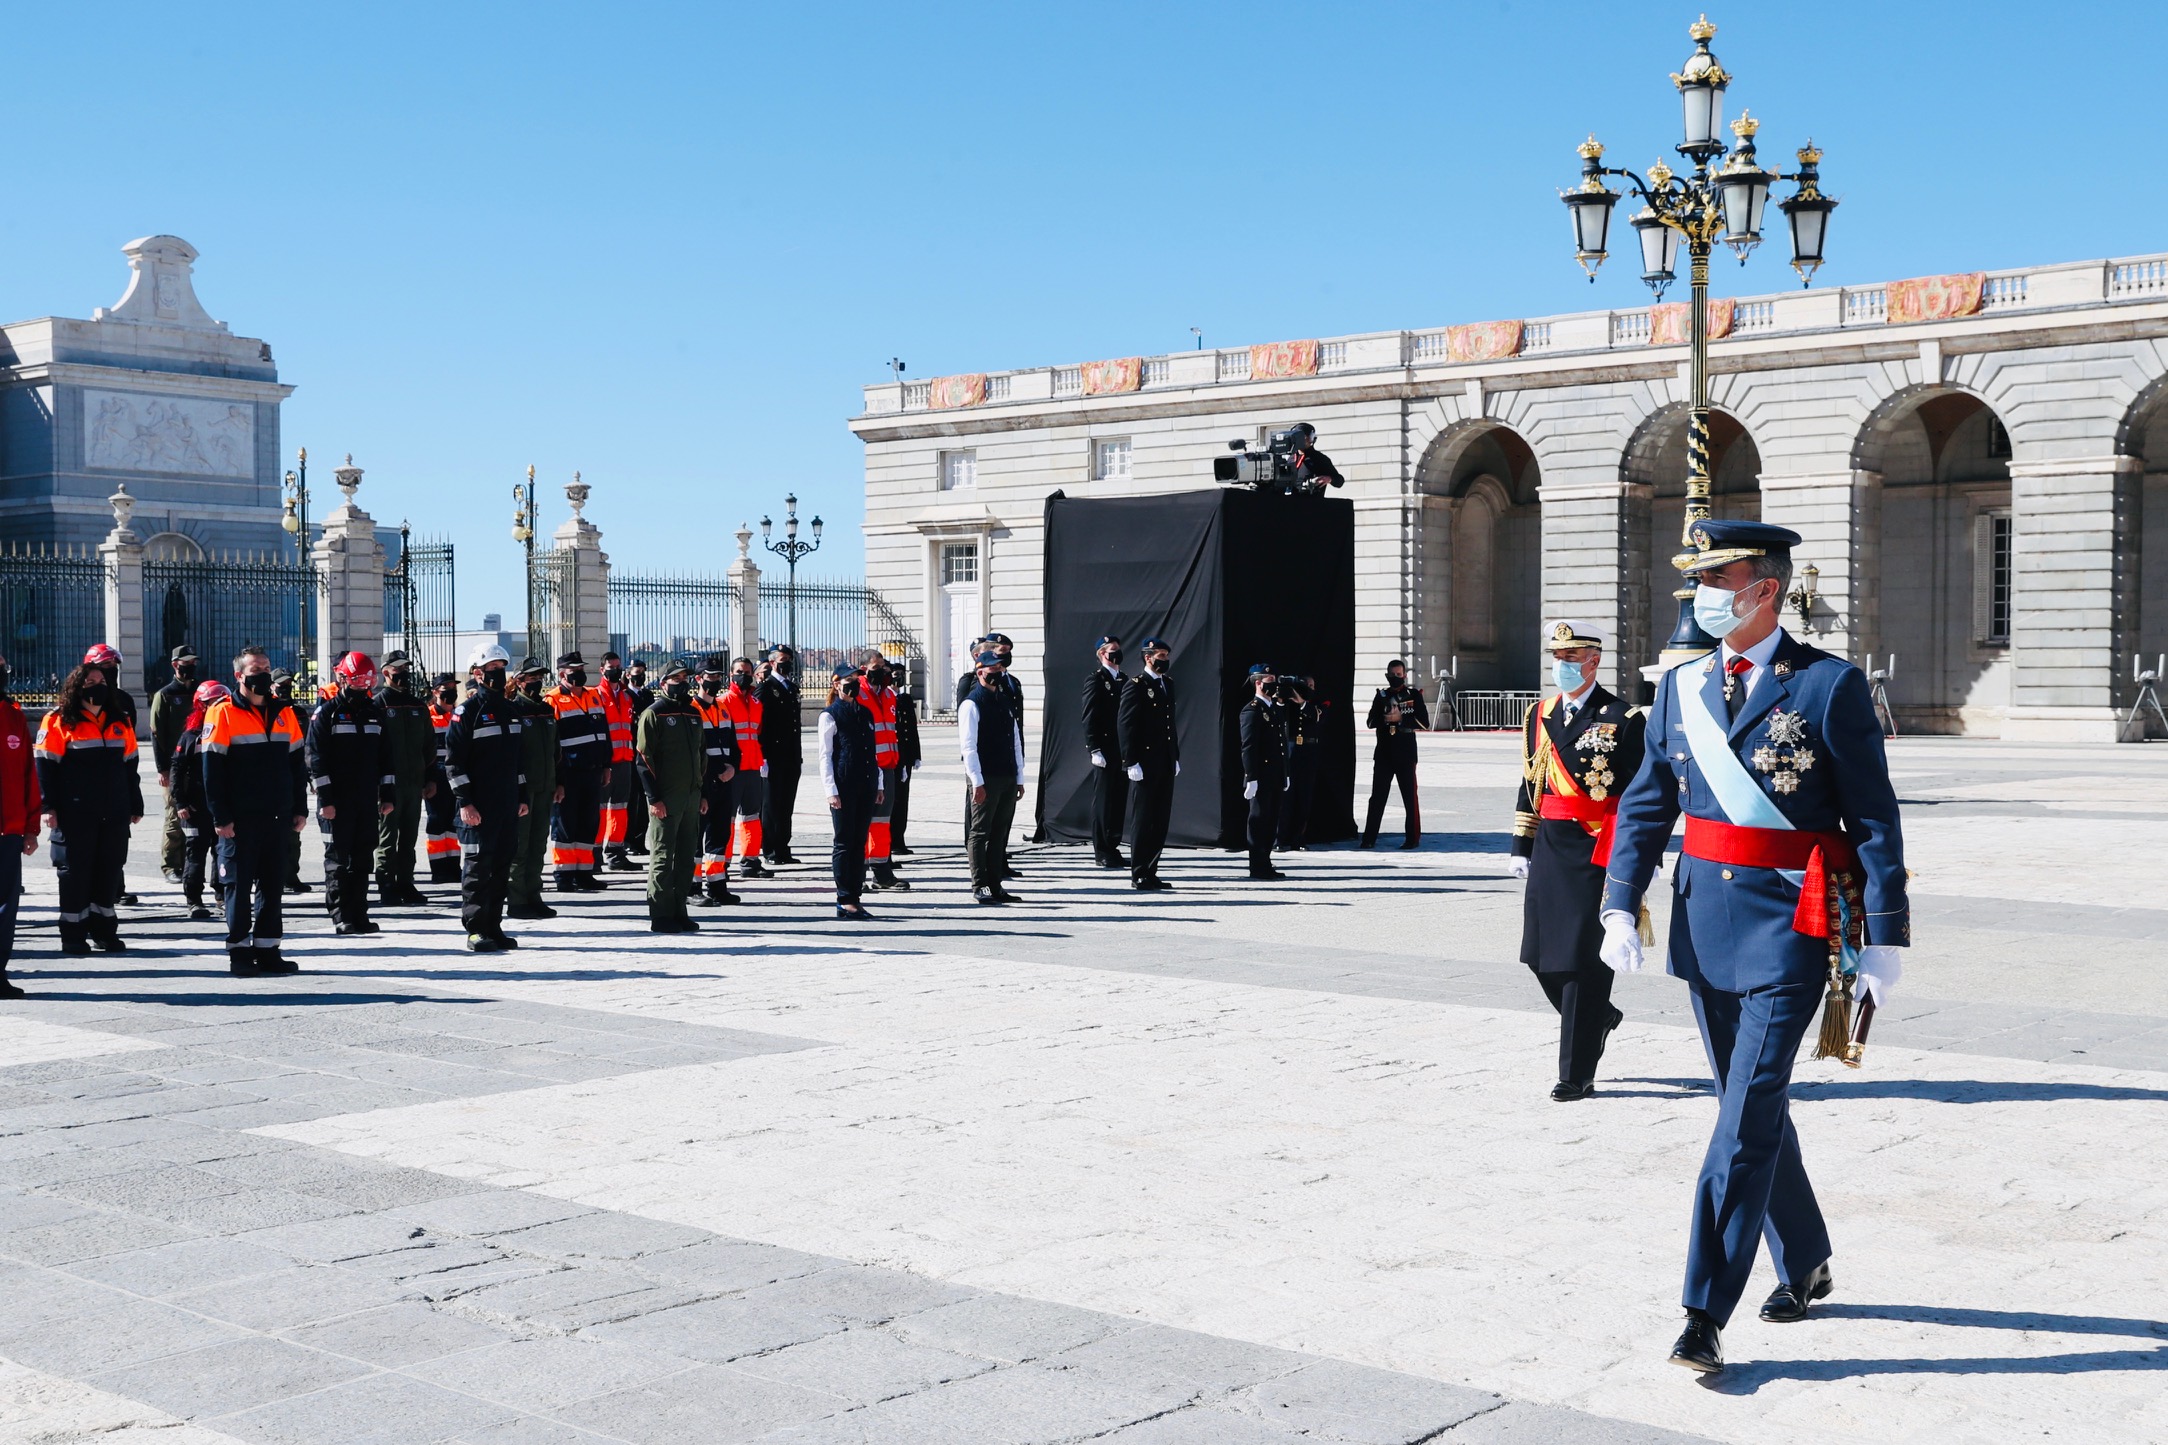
x=128, y=433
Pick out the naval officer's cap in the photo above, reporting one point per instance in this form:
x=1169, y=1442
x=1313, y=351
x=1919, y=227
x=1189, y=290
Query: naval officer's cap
x=1719, y=543
x=1569, y=632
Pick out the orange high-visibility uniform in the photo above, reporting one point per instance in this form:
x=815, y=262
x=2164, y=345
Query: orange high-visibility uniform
x=715, y=834
x=881, y=702
x=742, y=711
x=583, y=741
x=617, y=709
x=444, y=844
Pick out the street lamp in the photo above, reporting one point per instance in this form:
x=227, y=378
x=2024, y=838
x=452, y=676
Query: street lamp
x=790, y=549
x=523, y=525
x=296, y=524
x=1701, y=208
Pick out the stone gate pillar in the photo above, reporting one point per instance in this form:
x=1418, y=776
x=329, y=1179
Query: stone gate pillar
x=2074, y=603
x=122, y=553
x=349, y=579
x=745, y=611
x=586, y=603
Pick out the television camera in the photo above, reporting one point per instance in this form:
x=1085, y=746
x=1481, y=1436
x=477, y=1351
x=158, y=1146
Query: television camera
x=1291, y=464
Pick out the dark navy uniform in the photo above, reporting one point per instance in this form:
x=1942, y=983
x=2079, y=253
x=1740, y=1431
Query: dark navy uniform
x=1263, y=728
x=1152, y=754
x=482, y=760
x=1793, y=859
x=1393, y=759
x=1110, y=784
x=782, y=747
x=1305, y=748
x=350, y=768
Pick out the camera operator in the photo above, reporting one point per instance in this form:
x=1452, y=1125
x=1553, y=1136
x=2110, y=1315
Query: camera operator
x=1310, y=469
x=1396, y=712
x=1305, y=746
x=1291, y=464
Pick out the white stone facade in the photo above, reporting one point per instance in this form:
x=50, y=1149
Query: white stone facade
x=1974, y=491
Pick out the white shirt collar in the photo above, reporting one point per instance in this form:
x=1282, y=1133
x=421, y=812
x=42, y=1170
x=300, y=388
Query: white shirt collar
x=1758, y=656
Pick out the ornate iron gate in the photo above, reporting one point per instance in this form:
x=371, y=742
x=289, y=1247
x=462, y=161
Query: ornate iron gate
x=655, y=616
x=840, y=621
x=419, y=603
x=52, y=606
x=220, y=606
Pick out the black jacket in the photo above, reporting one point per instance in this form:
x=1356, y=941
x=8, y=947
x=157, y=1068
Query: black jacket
x=482, y=752
x=1145, y=725
x=780, y=740
x=348, y=756
x=909, y=754
x=1264, y=744
x=1102, y=711
x=1396, y=739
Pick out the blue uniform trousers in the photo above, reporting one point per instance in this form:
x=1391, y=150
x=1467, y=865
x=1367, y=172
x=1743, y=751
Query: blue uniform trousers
x=254, y=862
x=1753, y=1181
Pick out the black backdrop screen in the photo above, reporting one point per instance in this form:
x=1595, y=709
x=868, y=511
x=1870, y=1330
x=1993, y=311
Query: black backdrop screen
x=1228, y=578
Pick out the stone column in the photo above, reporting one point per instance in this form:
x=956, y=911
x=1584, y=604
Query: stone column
x=1595, y=570
x=1838, y=516
x=745, y=611
x=122, y=553
x=349, y=578
x=2074, y=608
x=585, y=607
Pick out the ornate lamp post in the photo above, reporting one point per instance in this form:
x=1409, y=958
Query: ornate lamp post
x=790, y=549
x=523, y=525
x=1708, y=206
x=296, y=523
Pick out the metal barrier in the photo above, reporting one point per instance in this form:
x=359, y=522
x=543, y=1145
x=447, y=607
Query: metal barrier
x=1493, y=711
x=655, y=616
x=52, y=606
x=220, y=606
x=419, y=603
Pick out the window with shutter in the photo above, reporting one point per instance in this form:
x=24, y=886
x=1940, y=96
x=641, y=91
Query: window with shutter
x=1992, y=578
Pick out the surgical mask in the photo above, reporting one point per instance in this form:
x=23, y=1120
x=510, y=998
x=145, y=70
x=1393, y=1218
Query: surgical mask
x=576, y=676
x=1713, y=610
x=1568, y=675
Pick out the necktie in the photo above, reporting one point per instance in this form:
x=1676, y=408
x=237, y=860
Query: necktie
x=1735, y=672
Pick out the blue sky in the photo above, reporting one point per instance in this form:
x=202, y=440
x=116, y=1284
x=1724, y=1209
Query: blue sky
x=666, y=243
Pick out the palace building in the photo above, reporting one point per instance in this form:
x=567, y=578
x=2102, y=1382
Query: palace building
x=1978, y=464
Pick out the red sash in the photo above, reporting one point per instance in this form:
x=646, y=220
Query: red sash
x=1584, y=810
x=1716, y=841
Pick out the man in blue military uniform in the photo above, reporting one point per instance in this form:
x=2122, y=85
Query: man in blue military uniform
x=1791, y=881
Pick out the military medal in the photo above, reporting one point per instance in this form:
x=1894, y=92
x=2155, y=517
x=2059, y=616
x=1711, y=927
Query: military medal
x=1786, y=755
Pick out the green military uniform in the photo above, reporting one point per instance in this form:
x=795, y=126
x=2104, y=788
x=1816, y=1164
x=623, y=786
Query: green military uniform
x=410, y=753
x=530, y=853
x=670, y=750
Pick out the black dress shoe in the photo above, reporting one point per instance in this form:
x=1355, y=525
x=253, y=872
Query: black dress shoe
x=8, y=988
x=1789, y=1302
x=1007, y=873
x=197, y=913
x=1003, y=895
x=853, y=913
x=898, y=849
x=476, y=943
x=1367, y=843
x=1149, y=885
x=1266, y=875
x=1701, y=1344
x=531, y=910
x=116, y=944
x=1411, y=845
x=270, y=963
x=1565, y=1092
x=984, y=895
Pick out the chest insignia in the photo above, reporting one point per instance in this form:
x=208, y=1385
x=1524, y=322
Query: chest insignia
x=1785, y=756
x=1596, y=744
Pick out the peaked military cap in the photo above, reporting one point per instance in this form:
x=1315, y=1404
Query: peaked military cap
x=570, y=659
x=1719, y=542
x=674, y=667
x=1566, y=632
x=442, y=679
x=531, y=665
x=714, y=662
x=998, y=640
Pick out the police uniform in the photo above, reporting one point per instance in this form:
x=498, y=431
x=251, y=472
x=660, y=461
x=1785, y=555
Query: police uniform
x=642, y=698
x=1790, y=881
x=782, y=747
x=1102, y=739
x=1263, y=727
x=1393, y=759
x=1577, y=756
x=538, y=765
x=671, y=750
x=410, y=750
x=344, y=749
x=1305, y=748
x=852, y=778
x=482, y=751
x=909, y=754
x=1152, y=757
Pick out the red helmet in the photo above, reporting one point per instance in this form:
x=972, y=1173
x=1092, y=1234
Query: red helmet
x=210, y=692
x=355, y=670
x=101, y=656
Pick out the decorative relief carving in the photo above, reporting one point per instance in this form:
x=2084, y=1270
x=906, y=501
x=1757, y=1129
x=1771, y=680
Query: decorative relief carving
x=124, y=432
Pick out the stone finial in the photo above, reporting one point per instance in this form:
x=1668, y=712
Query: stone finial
x=348, y=478
x=162, y=288
x=123, y=507
x=745, y=541
x=576, y=492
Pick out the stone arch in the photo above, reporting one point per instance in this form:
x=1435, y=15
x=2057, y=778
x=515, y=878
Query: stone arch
x=173, y=547
x=2143, y=434
x=1480, y=554
x=1936, y=457
x=1653, y=465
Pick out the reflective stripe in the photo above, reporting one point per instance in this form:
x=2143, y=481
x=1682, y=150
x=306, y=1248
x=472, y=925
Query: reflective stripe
x=457, y=780
x=486, y=730
x=346, y=728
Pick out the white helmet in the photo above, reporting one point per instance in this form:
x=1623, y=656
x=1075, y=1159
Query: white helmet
x=485, y=654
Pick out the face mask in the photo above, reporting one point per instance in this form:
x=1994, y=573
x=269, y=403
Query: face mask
x=531, y=687
x=493, y=679
x=1568, y=675
x=743, y=681
x=879, y=676
x=1396, y=679
x=677, y=691
x=613, y=674
x=575, y=677
x=258, y=684
x=849, y=689
x=185, y=671
x=1713, y=610
x=1114, y=657
x=711, y=685
x=782, y=667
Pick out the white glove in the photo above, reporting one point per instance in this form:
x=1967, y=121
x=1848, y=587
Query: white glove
x=1178, y=769
x=764, y=770
x=1621, y=949
x=1517, y=866
x=1136, y=772
x=1099, y=759
x=1249, y=790
x=1880, y=967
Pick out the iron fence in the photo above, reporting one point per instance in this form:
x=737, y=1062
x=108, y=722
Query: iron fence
x=221, y=605
x=1493, y=711
x=419, y=603
x=832, y=622
x=656, y=615
x=52, y=606
x=551, y=614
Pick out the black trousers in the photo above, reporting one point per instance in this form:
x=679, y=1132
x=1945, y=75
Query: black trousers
x=1265, y=822
x=987, y=827
x=257, y=861
x=899, y=815
x=716, y=826
x=1583, y=1001
x=11, y=893
x=90, y=850
x=199, y=863
x=440, y=815
x=396, y=834
x=1385, y=770
x=1153, y=807
x=1302, y=787
x=847, y=856
x=576, y=821
x=1110, y=809
x=350, y=840
x=485, y=867
x=636, y=812
x=775, y=809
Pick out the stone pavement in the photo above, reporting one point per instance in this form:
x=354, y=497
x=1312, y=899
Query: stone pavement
x=1276, y=1165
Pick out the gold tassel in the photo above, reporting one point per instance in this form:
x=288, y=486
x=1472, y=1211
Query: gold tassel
x=1836, y=1019
x=1647, y=929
